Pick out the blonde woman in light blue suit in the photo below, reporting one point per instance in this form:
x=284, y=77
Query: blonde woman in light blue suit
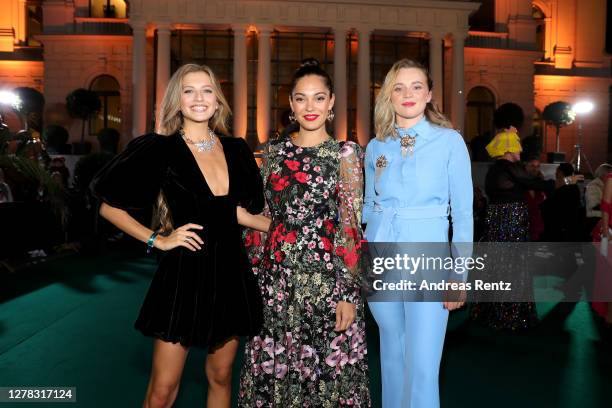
x=417, y=173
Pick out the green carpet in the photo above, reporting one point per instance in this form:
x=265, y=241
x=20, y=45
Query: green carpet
x=69, y=323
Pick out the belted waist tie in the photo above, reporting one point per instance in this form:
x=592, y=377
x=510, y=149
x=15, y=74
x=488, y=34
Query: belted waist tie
x=389, y=214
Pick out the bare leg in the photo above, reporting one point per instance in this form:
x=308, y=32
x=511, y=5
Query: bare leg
x=219, y=373
x=168, y=363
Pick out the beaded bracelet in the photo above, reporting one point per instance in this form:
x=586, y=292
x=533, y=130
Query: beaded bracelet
x=151, y=241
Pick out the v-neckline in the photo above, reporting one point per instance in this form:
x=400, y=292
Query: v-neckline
x=202, y=175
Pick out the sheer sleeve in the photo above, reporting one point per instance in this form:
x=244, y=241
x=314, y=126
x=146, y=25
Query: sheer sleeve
x=252, y=199
x=348, y=232
x=369, y=183
x=133, y=179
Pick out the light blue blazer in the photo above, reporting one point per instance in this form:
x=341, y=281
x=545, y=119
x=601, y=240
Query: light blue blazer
x=408, y=199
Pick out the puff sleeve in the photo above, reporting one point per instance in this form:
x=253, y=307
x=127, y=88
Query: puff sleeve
x=133, y=179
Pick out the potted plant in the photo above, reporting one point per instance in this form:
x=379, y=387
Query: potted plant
x=82, y=104
x=558, y=114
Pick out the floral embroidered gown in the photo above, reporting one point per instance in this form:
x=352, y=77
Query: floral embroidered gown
x=306, y=265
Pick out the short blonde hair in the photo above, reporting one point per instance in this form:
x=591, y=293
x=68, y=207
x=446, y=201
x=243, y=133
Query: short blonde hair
x=603, y=170
x=384, y=114
x=170, y=118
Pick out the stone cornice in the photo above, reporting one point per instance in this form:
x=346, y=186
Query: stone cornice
x=529, y=54
x=401, y=15
x=84, y=37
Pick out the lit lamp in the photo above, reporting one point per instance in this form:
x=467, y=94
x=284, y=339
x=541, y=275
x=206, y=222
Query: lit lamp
x=580, y=160
x=10, y=98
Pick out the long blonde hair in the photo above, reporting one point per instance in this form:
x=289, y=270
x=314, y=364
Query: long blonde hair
x=384, y=114
x=170, y=120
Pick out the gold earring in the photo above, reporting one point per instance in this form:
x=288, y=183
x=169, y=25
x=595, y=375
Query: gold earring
x=330, y=115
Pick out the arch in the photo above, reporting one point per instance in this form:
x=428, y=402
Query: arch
x=485, y=84
x=481, y=102
x=544, y=6
x=105, y=83
x=98, y=70
x=109, y=91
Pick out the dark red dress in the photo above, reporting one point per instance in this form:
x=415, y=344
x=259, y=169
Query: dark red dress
x=196, y=298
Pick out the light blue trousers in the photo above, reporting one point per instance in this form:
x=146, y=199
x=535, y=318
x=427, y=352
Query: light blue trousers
x=411, y=342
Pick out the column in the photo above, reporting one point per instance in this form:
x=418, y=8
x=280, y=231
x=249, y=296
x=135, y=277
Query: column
x=139, y=79
x=547, y=38
x=363, y=86
x=340, y=75
x=264, y=89
x=163, y=65
x=457, y=96
x=22, y=22
x=240, y=81
x=435, y=67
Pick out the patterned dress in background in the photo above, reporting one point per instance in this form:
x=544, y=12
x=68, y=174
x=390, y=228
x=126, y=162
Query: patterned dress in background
x=306, y=265
x=508, y=221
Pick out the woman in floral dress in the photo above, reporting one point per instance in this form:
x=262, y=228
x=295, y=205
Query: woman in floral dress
x=312, y=349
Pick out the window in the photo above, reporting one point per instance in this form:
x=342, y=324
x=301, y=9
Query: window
x=538, y=124
x=109, y=116
x=609, y=28
x=35, y=24
x=288, y=51
x=539, y=18
x=479, y=115
x=252, y=56
x=610, y=124
x=107, y=9
x=214, y=48
x=351, y=85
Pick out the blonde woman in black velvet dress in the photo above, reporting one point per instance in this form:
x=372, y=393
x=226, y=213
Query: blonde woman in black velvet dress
x=203, y=293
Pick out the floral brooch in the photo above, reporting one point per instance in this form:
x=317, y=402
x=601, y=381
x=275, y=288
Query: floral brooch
x=381, y=161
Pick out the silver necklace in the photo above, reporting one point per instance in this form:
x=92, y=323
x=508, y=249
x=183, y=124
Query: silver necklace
x=202, y=145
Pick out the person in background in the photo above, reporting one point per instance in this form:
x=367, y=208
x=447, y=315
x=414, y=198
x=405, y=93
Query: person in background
x=506, y=183
x=6, y=196
x=58, y=165
x=534, y=198
x=562, y=211
x=593, y=194
x=604, y=231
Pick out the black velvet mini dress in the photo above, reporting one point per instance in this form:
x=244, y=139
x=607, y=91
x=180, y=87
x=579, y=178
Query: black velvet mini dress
x=200, y=298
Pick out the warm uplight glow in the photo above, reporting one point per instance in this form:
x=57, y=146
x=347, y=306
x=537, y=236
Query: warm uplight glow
x=583, y=107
